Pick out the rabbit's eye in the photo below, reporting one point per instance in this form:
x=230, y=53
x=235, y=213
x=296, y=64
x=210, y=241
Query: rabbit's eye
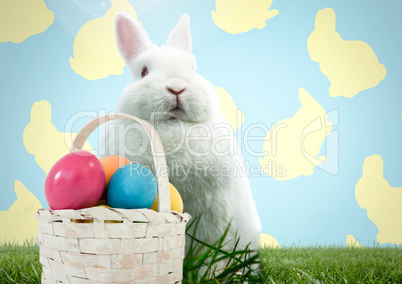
x=144, y=71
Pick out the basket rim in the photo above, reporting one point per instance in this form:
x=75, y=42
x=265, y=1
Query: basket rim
x=101, y=214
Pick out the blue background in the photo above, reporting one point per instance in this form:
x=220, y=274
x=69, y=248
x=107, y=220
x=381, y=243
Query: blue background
x=261, y=69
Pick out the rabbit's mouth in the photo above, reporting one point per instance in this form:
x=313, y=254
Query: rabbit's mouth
x=176, y=109
x=176, y=113
x=177, y=106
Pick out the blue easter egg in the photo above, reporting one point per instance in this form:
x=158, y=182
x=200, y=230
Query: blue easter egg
x=131, y=187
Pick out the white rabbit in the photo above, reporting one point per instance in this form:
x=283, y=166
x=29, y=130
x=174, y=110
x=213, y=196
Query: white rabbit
x=164, y=80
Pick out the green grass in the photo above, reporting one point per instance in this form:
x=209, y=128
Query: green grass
x=332, y=265
x=200, y=262
x=20, y=264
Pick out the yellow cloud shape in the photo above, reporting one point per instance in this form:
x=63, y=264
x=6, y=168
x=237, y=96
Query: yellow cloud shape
x=95, y=51
x=382, y=201
x=351, y=242
x=21, y=19
x=292, y=145
x=268, y=241
x=239, y=16
x=229, y=109
x=18, y=224
x=42, y=139
x=351, y=66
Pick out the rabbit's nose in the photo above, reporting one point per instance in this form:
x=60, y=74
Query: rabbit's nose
x=176, y=85
x=176, y=91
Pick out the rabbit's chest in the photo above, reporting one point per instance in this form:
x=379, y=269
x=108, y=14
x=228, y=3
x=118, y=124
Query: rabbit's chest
x=197, y=157
x=194, y=146
x=198, y=167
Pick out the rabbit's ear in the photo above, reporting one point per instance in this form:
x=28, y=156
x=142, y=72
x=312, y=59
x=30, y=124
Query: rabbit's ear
x=180, y=36
x=131, y=38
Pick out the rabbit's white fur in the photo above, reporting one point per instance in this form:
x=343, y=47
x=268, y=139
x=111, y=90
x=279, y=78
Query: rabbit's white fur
x=220, y=196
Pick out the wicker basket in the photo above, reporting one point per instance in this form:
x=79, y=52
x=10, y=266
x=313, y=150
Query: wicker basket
x=107, y=245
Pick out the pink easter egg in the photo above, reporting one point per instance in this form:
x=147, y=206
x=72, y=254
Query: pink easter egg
x=75, y=181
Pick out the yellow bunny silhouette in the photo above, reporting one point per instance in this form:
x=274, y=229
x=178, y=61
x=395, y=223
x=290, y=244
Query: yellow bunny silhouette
x=42, y=139
x=382, y=201
x=18, y=224
x=95, y=50
x=351, y=66
x=293, y=144
x=239, y=16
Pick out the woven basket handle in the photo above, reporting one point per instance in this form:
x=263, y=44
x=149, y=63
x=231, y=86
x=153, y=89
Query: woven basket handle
x=156, y=147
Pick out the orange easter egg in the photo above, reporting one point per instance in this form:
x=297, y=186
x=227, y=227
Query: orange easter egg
x=176, y=203
x=111, y=164
x=103, y=205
